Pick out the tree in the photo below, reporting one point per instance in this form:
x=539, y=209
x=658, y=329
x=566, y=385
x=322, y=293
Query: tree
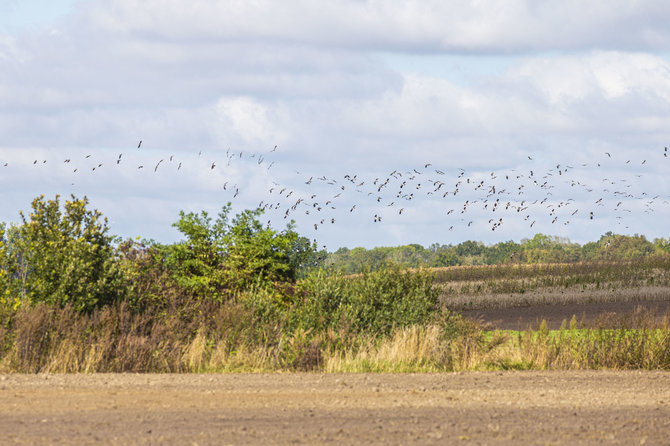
x=446, y=257
x=502, y=252
x=219, y=257
x=61, y=256
x=662, y=245
x=623, y=247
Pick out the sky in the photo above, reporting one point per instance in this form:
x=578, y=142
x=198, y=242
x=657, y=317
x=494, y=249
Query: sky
x=368, y=123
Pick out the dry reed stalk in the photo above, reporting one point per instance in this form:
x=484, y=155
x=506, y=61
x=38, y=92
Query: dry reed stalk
x=415, y=348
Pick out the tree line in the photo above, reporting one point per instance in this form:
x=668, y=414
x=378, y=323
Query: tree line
x=539, y=249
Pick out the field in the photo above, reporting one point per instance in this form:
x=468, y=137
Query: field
x=516, y=285
x=517, y=297
x=578, y=407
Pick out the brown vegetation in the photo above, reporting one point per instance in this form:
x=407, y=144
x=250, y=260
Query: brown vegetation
x=219, y=338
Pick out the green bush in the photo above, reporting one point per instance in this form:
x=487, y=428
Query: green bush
x=150, y=283
x=219, y=259
x=60, y=257
x=374, y=302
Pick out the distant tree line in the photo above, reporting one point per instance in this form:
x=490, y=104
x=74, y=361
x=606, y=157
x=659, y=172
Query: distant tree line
x=539, y=249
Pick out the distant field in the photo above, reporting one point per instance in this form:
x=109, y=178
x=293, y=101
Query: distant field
x=519, y=296
x=554, y=315
x=504, y=286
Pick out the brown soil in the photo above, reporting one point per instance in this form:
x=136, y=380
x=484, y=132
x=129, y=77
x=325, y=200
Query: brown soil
x=585, y=407
x=521, y=318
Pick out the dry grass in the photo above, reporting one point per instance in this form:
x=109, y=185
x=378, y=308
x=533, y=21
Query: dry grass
x=411, y=349
x=637, y=341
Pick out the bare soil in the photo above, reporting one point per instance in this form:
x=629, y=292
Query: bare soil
x=521, y=318
x=583, y=407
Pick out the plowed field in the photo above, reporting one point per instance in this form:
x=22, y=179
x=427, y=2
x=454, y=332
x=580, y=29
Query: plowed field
x=586, y=407
x=521, y=318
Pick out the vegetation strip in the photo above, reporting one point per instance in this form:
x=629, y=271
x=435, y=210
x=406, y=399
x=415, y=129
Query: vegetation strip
x=236, y=295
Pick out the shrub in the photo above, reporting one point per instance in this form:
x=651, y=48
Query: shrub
x=219, y=259
x=60, y=256
x=374, y=302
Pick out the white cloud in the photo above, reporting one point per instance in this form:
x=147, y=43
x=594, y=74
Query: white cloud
x=609, y=75
x=409, y=25
x=252, y=122
x=210, y=75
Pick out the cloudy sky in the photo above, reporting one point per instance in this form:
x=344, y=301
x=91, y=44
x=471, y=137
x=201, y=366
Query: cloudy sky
x=394, y=122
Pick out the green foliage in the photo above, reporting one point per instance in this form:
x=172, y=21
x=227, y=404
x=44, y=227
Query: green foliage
x=615, y=247
x=236, y=289
x=60, y=256
x=501, y=253
x=150, y=283
x=374, y=302
x=230, y=297
x=447, y=257
x=470, y=248
x=220, y=258
x=662, y=245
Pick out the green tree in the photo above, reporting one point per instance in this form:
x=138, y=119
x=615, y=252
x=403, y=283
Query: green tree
x=623, y=247
x=61, y=256
x=662, y=245
x=446, y=257
x=470, y=252
x=502, y=252
x=220, y=257
x=547, y=249
x=373, y=302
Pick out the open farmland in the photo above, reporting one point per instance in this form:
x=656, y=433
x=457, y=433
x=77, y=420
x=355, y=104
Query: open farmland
x=579, y=407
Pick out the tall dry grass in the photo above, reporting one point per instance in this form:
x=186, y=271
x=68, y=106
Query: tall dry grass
x=49, y=339
x=45, y=340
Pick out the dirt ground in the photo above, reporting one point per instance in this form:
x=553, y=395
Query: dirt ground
x=586, y=407
x=520, y=318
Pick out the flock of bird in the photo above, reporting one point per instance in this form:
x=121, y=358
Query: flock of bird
x=463, y=198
